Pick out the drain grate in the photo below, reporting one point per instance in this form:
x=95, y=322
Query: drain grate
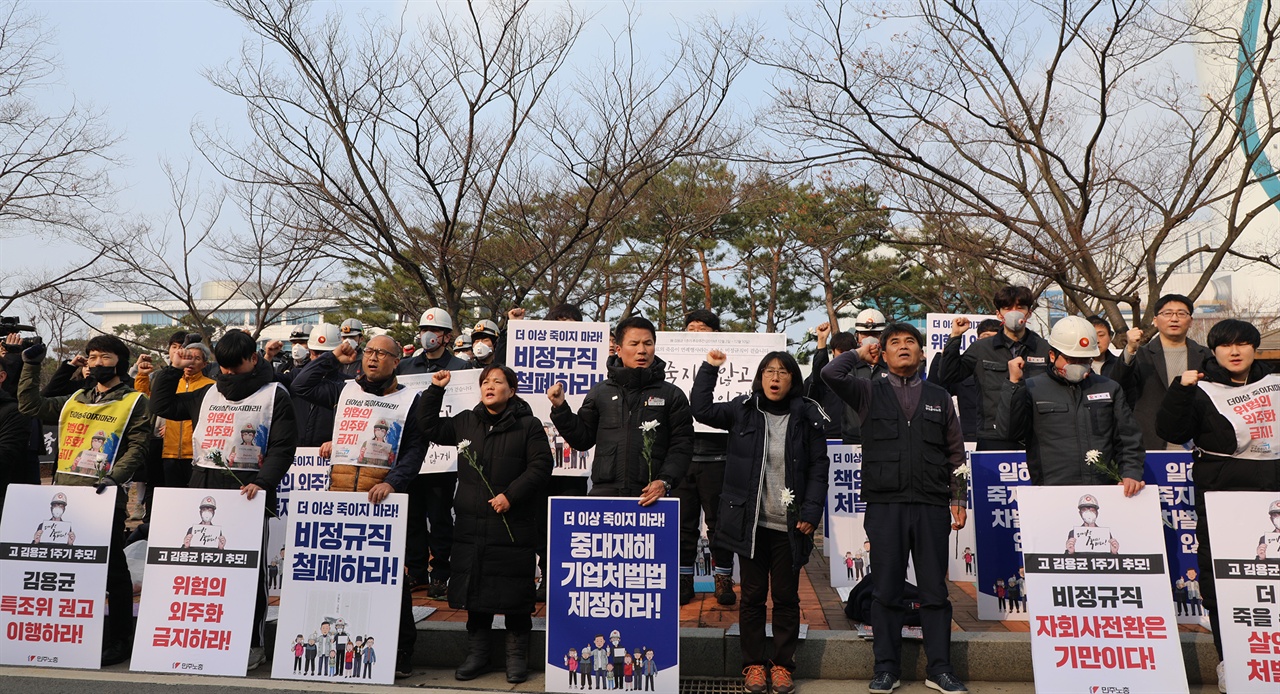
x=710, y=685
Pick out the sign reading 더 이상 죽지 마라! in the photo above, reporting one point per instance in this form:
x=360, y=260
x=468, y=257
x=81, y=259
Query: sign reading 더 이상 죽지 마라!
x=613, y=612
x=1101, y=613
x=202, y=573
x=53, y=575
x=1244, y=530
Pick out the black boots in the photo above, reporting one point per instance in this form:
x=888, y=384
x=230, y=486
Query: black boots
x=517, y=657
x=477, y=661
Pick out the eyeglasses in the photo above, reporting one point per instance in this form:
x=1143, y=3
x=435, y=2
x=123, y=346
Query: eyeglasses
x=777, y=373
x=381, y=353
x=1174, y=314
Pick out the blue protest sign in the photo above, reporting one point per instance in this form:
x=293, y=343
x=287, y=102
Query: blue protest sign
x=996, y=475
x=1169, y=472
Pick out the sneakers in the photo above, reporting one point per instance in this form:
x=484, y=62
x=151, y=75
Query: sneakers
x=781, y=679
x=883, y=683
x=754, y=680
x=1222, y=678
x=686, y=589
x=946, y=682
x=257, y=656
x=724, y=590
x=438, y=590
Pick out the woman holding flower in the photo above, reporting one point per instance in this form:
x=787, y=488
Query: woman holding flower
x=775, y=486
x=504, y=463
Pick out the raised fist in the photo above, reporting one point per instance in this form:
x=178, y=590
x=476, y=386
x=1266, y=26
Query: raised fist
x=959, y=326
x=1190, y=378
x=345, y=353
x=440, y=378
x=556, y=394
x=1133, y=339
x=716, y=358
x=272, y=350
x=144, y=364
x=515, y=314
x=1016, y=366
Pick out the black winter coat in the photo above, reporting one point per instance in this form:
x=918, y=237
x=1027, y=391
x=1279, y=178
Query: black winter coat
x=987, y=360
x=1145, y=382
x=1187, y=414
x=806, y=473
x=313, y=386
x=492, y=571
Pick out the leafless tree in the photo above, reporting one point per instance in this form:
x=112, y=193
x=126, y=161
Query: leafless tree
x=1061, y=137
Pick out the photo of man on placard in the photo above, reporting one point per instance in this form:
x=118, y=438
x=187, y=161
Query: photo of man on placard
x=56, y=530
x=204, y=534
x=1089, y=537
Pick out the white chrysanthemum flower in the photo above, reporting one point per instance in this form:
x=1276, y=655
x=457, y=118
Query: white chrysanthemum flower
x=963, y=471
x=788, y=497
x=1093, y=456
x=462, y=445
x=649, y=425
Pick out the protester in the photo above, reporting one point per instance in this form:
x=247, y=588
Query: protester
x=462, y=347
x=315, y=416
x=435, y=334
x=352, y=331
x=911, y=448
x=1146, y=371
x=775, y=491
x=176, y=454
x=108, y=362
x=504, y=464
x=966, y=391
x=1077, y=425
x=634, y=394
x=24, y=469
x=842, y=423
x=299, y=354
x=1105, y=363
x=245, y=379
x=699, y=494
x=1196, y=409
x=987, y=360
x=484, y=340
x=15, y=432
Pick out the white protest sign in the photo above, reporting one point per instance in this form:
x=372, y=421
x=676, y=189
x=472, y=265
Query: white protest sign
x=850, y=551
x=543, y=353
x=202, y=569
x=685, y=352
x=53, y=575
x=938, y=331
x=1244, y=530
x=462, y=393
x=309, y=473
x=1251, y=410
x=1101, y=613
x=342, y=588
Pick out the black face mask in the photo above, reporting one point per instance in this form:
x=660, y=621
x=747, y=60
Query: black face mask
x=374, y=387
x=103, y=374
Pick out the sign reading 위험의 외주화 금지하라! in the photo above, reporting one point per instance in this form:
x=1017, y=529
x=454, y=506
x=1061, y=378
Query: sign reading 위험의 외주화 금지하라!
x=53, y=575
x=1244, y=531
x=1098, y=591
x=202, y=573
x=684, y=353
x=343, y=581
x=613, y=613
x=544, y=353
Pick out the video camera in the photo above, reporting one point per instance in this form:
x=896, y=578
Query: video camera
x=10, y=325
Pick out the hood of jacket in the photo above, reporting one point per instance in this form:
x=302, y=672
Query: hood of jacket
x=236, y=387
x=635, y=379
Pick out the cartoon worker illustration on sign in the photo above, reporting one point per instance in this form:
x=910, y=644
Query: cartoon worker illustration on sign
x=1089, y=538
x=1269, y=543
x=55, y=531
x=246, y=454
x=205, y=534
x=90, y=461
x=377, y=451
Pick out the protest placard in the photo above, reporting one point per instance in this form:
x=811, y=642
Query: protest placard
x=462, y=393
x=1244, y=531
x=613, y=610
x=997, y=477
x=1170, y=474
x=850, y=551
x=684, y=353
x=308, y=473
x=1098, y=591
x=53, y=575
x=202, y=573
x=938, y=331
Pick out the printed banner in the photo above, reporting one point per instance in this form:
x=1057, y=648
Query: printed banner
x=1101, y=613
x=462, y=393
x=1251, y=409
x=850, y=553
x=233, y=434
x=342, y=588
x=685, y=352
x=91, y=435
x=53, y=575
x=938, y=331
x=309, y=473
x=196, y=613
x=1244, y=529
x=996, y=477
x=546, y=352
x=1169, y=473
x=368, y=428
x=613, y=609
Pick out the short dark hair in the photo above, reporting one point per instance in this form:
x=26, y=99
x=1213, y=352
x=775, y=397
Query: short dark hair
x=565, y=312
x=989, y=325
x=1014, y=295
x=1099, y=320
x=634, y=322
x=113, y=345
x=1233, y=332
x=234, y=348
x=1175, y=298
x=898, y=329
x=178, y=338
x=512, y=379
x=789, y=363
x=843, y=341
x=704, y=316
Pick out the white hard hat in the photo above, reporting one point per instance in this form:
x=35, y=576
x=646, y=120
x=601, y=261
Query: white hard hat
x=485, y=328
x=463, y=341
x=1074, y=336
x=324, y=338
x=436, y=318
x=352, y=326
x=869, y=320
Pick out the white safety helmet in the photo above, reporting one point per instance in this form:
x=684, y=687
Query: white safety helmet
x=436, y=318
x=1074, y=336
x=869, y=320
x=324, y=338
x=352, y=326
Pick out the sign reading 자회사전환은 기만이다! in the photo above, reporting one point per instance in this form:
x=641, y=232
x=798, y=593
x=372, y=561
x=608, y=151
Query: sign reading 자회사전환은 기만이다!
x=1101, y=613
x=342, y=588
x=53, y=575
x=544, y=353
x=613, y=610
x=1244, y=531
x=203, y=563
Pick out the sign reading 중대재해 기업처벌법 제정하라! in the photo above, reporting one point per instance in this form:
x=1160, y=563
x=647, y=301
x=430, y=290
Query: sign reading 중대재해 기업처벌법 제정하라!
x=203, y=563
x=613, y=610
x=1244, y=530
x=1101, y=611
x=544, y=353
x=53, y=575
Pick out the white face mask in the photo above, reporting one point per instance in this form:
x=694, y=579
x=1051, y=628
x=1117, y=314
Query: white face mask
x=870, y=341
x=1089, y=517
x=1075, y=373
x=481, y=350
x=300, y=352
x=206, y=516
x=1275, y=520
x=57, y=512
x=431, y=340
x=355, y=344
x=1015, y=321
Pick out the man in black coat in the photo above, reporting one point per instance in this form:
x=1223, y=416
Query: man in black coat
x=1105, y=363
